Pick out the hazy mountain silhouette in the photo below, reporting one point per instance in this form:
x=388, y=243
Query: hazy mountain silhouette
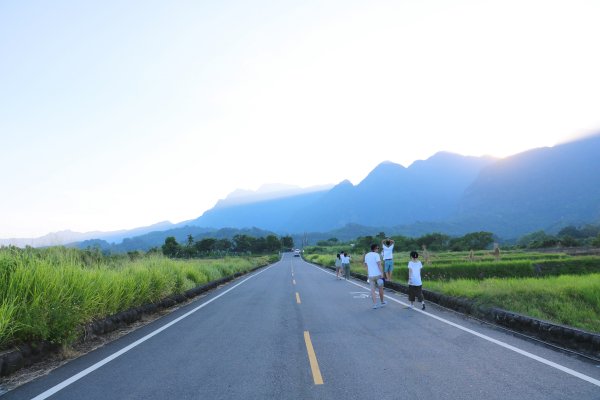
x=390, y=195
x=545, y=188
x=394, y=195
x=67, y=236
x=269, y=214
x=267, y=192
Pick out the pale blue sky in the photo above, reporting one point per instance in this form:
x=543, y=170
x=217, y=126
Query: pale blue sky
x=119, y=114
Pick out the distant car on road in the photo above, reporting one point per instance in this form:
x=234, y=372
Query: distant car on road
x=297, y=253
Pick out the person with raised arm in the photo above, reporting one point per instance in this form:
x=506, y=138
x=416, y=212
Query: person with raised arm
x=388, y=257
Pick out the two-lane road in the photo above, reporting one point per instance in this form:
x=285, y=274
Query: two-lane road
x=293, y=331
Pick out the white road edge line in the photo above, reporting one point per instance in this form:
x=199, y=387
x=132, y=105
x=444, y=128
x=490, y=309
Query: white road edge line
x=124, y=350
x=489, y=339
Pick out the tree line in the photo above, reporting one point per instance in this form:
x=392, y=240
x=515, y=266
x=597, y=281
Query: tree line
x=433, y=241
x=239, y=244
x=570, y=236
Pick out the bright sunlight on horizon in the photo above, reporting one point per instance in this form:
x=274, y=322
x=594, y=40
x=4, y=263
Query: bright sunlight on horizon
x=116, y=115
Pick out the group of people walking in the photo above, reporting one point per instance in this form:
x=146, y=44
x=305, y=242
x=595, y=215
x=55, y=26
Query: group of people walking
x=378, y=273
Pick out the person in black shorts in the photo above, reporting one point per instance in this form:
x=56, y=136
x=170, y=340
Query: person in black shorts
x=415, y=285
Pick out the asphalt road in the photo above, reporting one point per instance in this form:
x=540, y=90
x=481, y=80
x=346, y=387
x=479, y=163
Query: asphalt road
x=293, y=331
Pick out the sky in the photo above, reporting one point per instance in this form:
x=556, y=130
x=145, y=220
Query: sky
x=121, y=114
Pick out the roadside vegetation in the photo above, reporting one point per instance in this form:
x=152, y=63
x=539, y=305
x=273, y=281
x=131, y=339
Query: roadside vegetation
x=552, y=286
x=50, y=294
x=572, y=300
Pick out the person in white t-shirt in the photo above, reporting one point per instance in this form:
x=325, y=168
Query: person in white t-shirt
x=338, y=265
x=388, y=257
x=346, y=265
x=415, y=285
x=375, y=274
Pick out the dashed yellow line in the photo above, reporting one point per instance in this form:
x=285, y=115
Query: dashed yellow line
x=312, y=357
x=298, y=298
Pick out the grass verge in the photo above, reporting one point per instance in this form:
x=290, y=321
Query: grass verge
x=51, y=294
x=567, y=300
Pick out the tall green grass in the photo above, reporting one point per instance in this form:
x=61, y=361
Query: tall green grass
x=567, y=299
x=50, y=294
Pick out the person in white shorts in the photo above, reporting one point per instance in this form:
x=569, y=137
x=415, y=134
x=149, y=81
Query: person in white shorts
x=375, y=274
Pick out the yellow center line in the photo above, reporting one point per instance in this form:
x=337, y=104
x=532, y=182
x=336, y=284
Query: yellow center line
x=312, y=357
x=297, y=298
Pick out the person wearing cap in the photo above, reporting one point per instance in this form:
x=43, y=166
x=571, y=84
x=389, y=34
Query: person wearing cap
x=372, y=263
x=415, y=285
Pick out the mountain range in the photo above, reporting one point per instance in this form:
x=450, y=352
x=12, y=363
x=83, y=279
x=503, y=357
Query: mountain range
x=390, y=195
x=67, y=236
x=547, y=188
x=541, y=189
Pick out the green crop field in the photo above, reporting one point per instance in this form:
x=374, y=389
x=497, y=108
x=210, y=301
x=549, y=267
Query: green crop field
x=49, y=294
x=572, y=300
x=555, y=287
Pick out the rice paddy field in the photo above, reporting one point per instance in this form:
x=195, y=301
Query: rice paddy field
x=551, y=286
x=50, y=294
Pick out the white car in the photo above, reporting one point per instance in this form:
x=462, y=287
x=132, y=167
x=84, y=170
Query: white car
x=297, y=253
